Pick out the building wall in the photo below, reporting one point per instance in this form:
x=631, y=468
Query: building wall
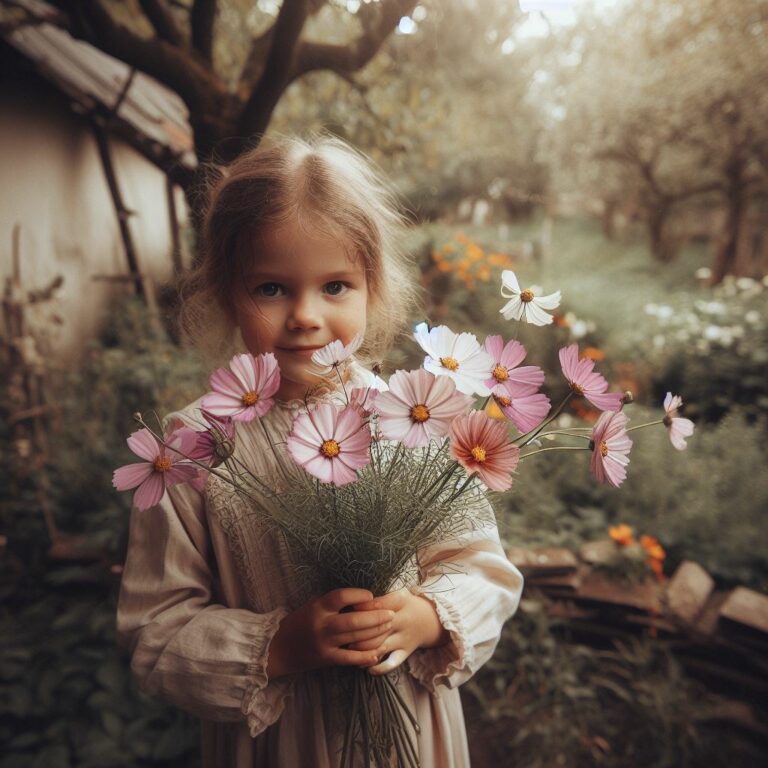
x=53, y=186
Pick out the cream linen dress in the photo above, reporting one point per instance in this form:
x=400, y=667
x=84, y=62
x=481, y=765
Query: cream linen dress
x=204, y=589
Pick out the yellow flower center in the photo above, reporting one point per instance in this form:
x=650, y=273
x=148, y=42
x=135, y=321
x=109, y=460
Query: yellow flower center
x=478, y=454
x=577, y=388
x=526, y=295
x=162, y=464
x=603, y=448
x=250, y=398
x=451, y=363
x=503, y=400
x=500, y=373
x=419, y=413
x=330, y=449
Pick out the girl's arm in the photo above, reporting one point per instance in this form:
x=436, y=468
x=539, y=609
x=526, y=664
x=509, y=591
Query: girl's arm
x=472, y=589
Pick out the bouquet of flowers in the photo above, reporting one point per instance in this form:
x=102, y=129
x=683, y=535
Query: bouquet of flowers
x=368, y=484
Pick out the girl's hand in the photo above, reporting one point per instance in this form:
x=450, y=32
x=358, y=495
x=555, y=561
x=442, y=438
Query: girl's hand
x=415, y=624
x=319, y=635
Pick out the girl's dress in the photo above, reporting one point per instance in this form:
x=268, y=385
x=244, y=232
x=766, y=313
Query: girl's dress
x=204, y=589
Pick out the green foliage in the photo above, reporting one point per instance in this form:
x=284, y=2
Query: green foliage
x=543, y=702
x=66, y=695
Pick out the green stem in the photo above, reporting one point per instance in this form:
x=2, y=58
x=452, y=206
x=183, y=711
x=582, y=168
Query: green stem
x=649, y=424
x=567, y=434
x=555, y=448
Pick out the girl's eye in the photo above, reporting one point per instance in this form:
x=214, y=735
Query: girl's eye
x=335, y=288
x=269, y=290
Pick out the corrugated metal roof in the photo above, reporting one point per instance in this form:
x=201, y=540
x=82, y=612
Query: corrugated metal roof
x=90, y=78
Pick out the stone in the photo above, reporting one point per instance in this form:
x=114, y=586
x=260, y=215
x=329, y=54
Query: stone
x=688, y=591
x=747, y=608
x=598, y=552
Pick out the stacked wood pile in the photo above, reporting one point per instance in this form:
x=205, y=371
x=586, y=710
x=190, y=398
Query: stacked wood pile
x=719, y=636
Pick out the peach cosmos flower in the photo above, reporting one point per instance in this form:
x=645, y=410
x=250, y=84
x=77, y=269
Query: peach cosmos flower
x=162, y=466
x=584, y=380
x=331, y=444
x=678, y=428
x=481, y=445
x=610, y=448
x=245, y=391
x=418, y=407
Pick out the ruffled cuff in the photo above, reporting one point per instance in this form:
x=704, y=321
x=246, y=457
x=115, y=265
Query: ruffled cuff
x=435, y=666
x=263, y=702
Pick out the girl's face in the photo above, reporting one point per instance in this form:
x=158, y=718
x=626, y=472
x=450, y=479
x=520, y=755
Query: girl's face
x=300, y=292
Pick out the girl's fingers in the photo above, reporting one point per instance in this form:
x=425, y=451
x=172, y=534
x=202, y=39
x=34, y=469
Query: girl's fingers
x=392, y=662
x=341, y=598
x=344, y=623
x=393, y=601
x=369, y=645
x=364, y=639
x=342, y=657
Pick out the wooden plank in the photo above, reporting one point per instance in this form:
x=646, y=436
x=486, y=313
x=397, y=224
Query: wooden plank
x=688, y=591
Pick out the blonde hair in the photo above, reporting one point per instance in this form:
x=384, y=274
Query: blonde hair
x=321, y=180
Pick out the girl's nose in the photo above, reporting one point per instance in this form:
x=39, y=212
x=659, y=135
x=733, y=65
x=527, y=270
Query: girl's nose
x=304, y=314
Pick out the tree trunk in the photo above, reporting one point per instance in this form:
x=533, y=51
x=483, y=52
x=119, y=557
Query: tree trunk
x=727, y=253
x=658, y=213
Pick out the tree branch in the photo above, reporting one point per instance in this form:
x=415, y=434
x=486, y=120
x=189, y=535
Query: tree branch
x=163, y=21
x=201, y=19
x=313, y=56
x=176, y=68
x=276, y=75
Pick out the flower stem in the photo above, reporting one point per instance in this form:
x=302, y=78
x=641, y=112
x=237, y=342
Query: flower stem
x=554, y=448
x=528, y=436
x=567, y=434
x=648, y=424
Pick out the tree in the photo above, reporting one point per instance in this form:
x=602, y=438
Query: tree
x=672, y=93
x=231, y=91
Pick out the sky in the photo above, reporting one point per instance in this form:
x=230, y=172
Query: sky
x=559, y=12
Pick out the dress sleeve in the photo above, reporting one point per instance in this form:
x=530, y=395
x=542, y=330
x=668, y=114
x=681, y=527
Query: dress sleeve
x=475, y=589
x=201, y=656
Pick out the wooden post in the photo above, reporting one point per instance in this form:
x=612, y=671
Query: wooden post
x=174, y=226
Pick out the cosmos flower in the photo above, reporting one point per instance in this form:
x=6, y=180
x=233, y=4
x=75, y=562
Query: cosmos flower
x=456, y=355
x=481, y=445
x=245, y=391
x=622, y=534
x=678, y=428
x=586, y=381
x=418, y=407
x=506, y=371
x=335, y=353
x=610, y=448
x=524, y=305
x=162, y=466
x=525, y=412
x=331, y=444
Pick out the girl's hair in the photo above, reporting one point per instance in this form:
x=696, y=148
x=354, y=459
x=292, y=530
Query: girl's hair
x=322, y=183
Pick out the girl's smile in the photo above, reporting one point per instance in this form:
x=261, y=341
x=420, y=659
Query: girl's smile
x=301, y=290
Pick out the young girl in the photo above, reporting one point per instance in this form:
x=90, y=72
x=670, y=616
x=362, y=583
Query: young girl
x=299, y=249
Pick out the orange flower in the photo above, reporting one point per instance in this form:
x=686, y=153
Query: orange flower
x=622, y=534
x=499, y=260
x=437, y=257
x=657, y=567
x=474, y=252
x=484, y=274
x=445, y=266
x=560, y=321
x=593, y=353
x=652, y=547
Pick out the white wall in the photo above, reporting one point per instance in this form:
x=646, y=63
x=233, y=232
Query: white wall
x=52, y=184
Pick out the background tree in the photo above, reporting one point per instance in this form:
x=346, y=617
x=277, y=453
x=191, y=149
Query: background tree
x=230, y=60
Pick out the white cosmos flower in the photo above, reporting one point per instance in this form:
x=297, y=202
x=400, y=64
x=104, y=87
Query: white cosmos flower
x=335, y=353
x=525, y=305
x=458, y=355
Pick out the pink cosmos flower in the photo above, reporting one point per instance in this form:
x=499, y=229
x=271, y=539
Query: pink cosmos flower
x=418, y=407
x=161, y=468
x=610, y=448
x=587, y=382
x=330, y=443
x=245, y=390
x=335, y=353
x=506, y=359
x=525, y=412
x=481, y=446
x=215, y=443
x=678, y=428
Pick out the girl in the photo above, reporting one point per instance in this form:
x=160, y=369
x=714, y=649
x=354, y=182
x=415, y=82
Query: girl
x=299, y=249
